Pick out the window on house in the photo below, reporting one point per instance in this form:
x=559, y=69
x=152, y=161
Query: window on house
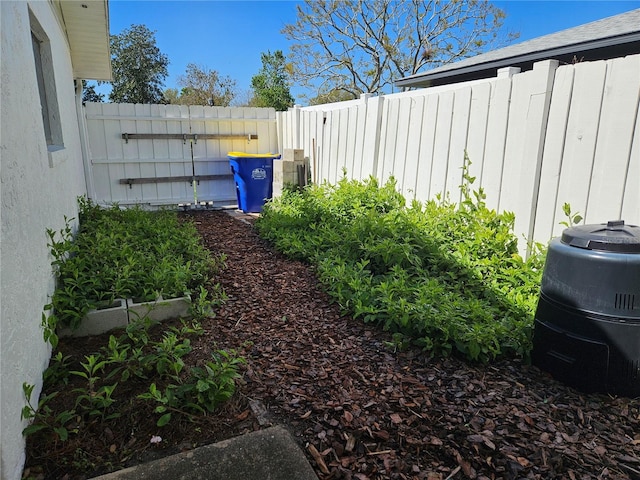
x=46, y=85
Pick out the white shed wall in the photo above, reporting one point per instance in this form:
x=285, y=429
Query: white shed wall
x=38, y=189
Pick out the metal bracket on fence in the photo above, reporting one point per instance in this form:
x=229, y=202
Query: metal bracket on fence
x=188, y=136
x=185, y=178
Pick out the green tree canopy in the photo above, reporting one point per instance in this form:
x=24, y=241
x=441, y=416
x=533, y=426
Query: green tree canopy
x=360, y=46
x=202, y=86
x=333, y=96
x=171, y=95
x=271, y=84
x=89, y=93
x=139, y=68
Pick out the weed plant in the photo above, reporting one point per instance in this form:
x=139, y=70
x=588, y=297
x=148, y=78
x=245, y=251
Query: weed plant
x=124, y=253
x=445, y=276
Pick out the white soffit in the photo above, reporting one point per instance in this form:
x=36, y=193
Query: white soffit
x=87, y=27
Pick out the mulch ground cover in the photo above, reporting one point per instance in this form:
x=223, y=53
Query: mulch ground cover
x=359, y=408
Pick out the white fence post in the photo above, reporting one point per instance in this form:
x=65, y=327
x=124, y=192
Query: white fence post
x=81, y=113
x=528, y=114
x=371, y=150
x=296, y=127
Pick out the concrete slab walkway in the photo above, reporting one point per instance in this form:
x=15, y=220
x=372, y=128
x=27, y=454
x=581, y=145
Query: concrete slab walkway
x=270, y=454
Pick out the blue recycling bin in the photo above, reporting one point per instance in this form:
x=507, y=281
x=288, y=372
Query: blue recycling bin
x=253, y=175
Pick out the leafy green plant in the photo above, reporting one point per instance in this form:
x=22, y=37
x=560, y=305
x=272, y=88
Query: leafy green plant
x=94, y=399
x=203, y=301
x=167, y=357
x=124, y=253
x=188, y=391
x=445, y=276
x=58, y=370
x=42, y=417
x=573, y=218
x=203, y=390
x=215, y=381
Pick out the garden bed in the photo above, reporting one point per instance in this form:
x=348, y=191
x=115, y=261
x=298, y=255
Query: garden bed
x=360, y=408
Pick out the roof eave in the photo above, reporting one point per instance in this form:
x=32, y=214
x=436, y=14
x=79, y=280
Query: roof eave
x=473, y=71
x=86, y=25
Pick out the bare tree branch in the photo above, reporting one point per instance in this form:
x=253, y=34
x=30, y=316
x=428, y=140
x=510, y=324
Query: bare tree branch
x=360, y=46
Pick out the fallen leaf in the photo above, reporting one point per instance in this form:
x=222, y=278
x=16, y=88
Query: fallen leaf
x=351, y=442
x=243, y=415
x=318, y=458
x=467, y=469
x=436, y=441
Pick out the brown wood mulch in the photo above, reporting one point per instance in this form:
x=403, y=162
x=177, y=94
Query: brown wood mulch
x=361, y=410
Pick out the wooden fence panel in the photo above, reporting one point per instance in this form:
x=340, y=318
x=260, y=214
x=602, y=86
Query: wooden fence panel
x=389, y=133
x=442, y=144
x=324, y=144
x=373, y=122
x=150, y=161
x=342, y=136
x=427, y=145
x=581, y=137
x=530, y=100
x=631, y=201
x=615, y=135
x=477, y=134
x=458, y=145
x=409, y=183
x=496, y=139
x=549, y=213
x=401, y=160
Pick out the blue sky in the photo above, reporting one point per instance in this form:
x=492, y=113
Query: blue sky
x=228, y=36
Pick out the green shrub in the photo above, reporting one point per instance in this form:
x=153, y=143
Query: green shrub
x=124, y=253
x=448, y=277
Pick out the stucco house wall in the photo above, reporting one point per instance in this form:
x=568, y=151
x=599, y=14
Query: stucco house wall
x=38, y=189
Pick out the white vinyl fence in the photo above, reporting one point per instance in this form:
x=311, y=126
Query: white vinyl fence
x=536, y=140
x=151, y=154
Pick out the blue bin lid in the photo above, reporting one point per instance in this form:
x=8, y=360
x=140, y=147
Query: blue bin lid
x=252, y=155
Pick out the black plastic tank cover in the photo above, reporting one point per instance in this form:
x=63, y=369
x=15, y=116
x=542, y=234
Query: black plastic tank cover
x=615, y=236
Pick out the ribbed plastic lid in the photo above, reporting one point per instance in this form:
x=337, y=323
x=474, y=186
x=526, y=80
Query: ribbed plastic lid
x=253, y=155
x=613, y=236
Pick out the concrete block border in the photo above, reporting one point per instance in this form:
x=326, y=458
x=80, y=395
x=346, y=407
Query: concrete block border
x=159, y=310
x=99, y=321
x=126, y=311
